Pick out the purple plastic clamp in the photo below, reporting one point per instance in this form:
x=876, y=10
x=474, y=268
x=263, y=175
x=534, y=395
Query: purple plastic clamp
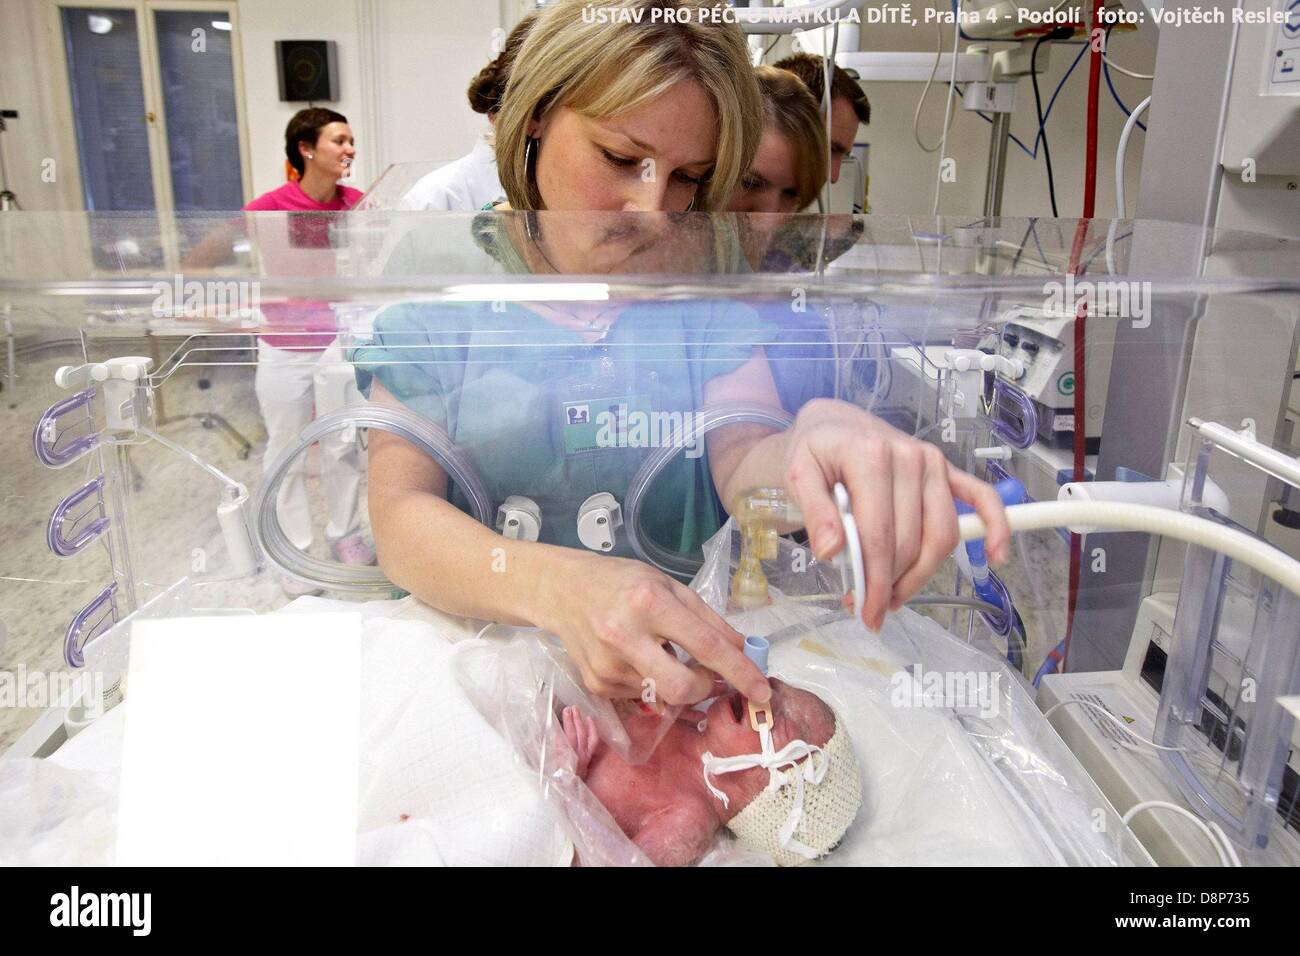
x=48, y=452
x=54, y=536
x=76, y=641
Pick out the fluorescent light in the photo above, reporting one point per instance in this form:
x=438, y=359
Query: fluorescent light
x=529, y=292
x=221, y=24
x=99, y=24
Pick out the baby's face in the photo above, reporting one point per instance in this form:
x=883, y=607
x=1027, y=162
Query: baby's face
x=796, y=715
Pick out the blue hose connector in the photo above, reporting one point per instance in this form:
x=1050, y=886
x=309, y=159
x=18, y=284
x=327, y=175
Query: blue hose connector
x=756, y=649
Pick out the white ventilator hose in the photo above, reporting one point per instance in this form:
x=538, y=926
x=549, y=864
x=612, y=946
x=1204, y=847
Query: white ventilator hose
x=1123, y=516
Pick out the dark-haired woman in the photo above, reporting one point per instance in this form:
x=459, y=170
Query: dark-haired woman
x=300, y=366
x=319, y=146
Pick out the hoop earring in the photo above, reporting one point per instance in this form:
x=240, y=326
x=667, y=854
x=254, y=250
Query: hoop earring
x=528, y=154
x=691, y=206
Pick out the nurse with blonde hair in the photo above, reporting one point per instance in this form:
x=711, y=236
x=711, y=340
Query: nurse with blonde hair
x=653, y=118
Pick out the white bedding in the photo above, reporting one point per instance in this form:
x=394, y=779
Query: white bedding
x=440, y=786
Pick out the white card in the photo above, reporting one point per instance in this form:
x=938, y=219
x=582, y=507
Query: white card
x=241, y=744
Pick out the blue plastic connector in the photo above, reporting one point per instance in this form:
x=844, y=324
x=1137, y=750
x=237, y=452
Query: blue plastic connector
x=756, y=649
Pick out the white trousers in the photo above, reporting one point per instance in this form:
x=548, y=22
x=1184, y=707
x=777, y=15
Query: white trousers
x=293, y=387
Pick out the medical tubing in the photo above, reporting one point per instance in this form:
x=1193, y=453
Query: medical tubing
x=985, y=584
x=945, y=600
x=1090, y=141
x=703, y=421
x=1050, y=663
x=424, y=434
x=1023, y=438
x=1123, y=516
x=947, y=111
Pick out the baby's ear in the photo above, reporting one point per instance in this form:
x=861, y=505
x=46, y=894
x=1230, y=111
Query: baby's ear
x=678, y=836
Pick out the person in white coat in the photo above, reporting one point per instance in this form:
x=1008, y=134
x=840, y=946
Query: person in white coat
x=469, y=183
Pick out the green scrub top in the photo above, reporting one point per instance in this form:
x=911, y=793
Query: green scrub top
x=542, y=412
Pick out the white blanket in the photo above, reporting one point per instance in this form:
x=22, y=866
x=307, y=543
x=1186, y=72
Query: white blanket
x=439, y=786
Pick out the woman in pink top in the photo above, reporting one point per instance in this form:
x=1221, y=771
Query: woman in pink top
x=318, y=144
x=302, y=372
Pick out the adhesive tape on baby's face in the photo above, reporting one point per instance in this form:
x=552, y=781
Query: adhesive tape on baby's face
x=829, y=808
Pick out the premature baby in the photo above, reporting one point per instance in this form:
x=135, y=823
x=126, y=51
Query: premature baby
x=792, y=796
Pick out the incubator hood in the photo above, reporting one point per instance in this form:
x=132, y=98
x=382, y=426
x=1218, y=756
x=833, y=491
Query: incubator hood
x=191, y=402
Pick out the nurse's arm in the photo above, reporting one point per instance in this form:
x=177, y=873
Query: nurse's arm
x=428, y=546
x=745, y=455
x=612, y=614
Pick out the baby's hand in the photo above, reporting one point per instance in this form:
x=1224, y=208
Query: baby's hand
x=580, y=732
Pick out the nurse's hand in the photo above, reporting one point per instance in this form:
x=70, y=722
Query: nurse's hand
x=614, y=615
x=902, y=493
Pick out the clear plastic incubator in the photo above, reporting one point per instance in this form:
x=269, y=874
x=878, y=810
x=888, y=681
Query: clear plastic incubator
x=205, y=415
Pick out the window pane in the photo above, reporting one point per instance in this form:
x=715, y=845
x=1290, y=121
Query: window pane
x=198, y=87
x=108, y=108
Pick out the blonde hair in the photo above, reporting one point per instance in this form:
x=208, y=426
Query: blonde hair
x=790, y=108
x=603, y=69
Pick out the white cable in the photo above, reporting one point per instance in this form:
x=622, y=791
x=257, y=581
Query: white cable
x=828, y=98
x=1121, y=152
x=1227, y=843
x=1124, y=516
x=1192, y=753
x=1105, y=51
x=947, y=112
x=1213, y=832
x=1113, y=719
x=920, y=104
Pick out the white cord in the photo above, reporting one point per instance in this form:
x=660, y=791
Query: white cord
x=1121, y=152
x=920, y=104
x=1105, y=45
x=1125, y=516
x=1192, y=753
x=1113, y=719
x=1214, y=833
x=829, y=99
x=1227, y=843
x=947, y=112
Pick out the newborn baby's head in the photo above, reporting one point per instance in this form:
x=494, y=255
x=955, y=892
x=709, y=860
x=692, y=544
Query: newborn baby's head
x=669, y=808
x=828, y=796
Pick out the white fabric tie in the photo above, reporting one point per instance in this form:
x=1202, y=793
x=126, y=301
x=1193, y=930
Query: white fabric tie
x=812, y=770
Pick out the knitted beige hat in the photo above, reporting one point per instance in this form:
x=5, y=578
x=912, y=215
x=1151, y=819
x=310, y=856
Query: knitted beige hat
x=829, y=808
